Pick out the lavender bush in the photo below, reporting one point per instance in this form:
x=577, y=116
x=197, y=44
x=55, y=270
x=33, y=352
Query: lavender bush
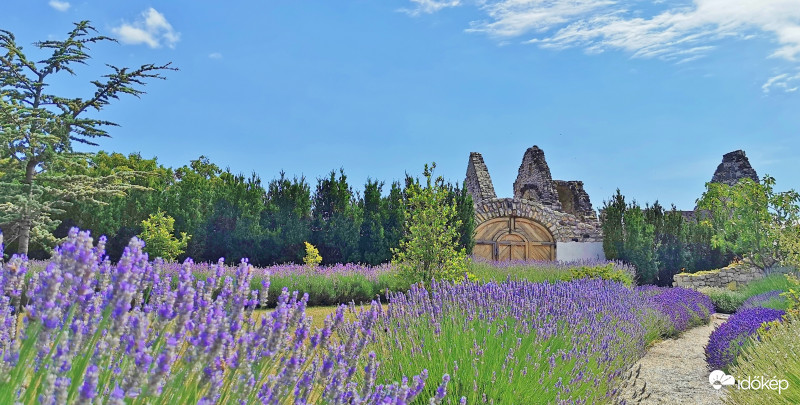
x=727, y=341
x=500, y=342
x=683, y=307
x=770, y=299
x=124, y=334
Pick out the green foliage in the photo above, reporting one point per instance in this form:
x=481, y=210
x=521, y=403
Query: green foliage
x=118, y=217
x=607, y=272
x=639, y=237
x=792, y=293
x=286, y=220
x=728, y=301
x=393, y=207
x=725, y=301
x=430, y=247
x=751, y=219
x=774, y=355
x=659, y=243
x=465, y=215
x=157, y=233
x=372, y=243
x=38, y=128
x=336, y=220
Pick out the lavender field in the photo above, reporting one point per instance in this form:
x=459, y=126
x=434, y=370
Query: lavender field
x=91, y=332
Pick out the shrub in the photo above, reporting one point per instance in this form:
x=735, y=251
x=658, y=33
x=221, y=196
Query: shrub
x=500, y=342
x=607, y=272
x=775, y=354
x=88, y=336
x=683, y=307
x=312, y=257
x=770, y=299
x=430, y=247
x=725, y=301
x=727, y=340
x=157, y=234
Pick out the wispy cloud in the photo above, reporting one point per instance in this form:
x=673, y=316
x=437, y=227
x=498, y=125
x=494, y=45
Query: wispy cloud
x=151, y=28
x=787, y=82
x=215, y=55
x=59, y=5
x=429, y=6
x=677, y=32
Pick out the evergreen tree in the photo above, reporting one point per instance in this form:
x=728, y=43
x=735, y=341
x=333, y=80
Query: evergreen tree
x=372, y=244
x=336, y=220
x=613, y=230
x=465, y=214
x=393, y=207
x=286, y=219
x=37, y=131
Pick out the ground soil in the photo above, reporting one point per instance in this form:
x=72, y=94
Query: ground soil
x=675, y=371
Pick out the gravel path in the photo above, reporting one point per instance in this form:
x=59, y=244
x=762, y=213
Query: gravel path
x=675, y=370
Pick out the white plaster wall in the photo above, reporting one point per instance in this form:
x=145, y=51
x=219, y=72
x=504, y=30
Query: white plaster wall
x=567, y=251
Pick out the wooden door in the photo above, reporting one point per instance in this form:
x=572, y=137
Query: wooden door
x=511, y=238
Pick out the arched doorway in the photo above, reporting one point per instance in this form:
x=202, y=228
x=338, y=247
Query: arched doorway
x=513, y=238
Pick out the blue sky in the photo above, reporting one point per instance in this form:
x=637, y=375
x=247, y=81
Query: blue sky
x=642, y=95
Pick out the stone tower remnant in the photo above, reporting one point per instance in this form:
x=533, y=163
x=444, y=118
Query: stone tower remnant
x=734, y=167
x=534, y=181
x=479, y=183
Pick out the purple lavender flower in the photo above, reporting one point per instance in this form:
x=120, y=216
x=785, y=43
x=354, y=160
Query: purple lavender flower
x=89, y=388
x=727, y=340
x=761, y=299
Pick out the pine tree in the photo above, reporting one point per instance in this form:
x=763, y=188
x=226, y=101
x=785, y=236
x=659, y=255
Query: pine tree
x=37, y=131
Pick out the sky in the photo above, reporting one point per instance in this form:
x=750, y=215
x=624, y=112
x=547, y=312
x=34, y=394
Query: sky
x=644, y=96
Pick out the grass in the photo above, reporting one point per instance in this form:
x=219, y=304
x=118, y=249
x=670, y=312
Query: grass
x=728, y=301
x=776, y=356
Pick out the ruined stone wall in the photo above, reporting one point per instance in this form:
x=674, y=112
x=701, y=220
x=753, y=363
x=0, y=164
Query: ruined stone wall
x=564, y=227
x=479, y=183
x=534, y=181
x=734, y=166
x=574, y=199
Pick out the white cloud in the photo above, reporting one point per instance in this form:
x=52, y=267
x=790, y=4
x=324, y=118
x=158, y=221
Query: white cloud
x=215, y=55
x=789, y=83
x=429, y=6
x=677, y=32
x=152, y=28
x=59, y=5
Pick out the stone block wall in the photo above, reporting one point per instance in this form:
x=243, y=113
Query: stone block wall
x=564, y=227
x=534, y=181
x=479, y=183
x=741, y=274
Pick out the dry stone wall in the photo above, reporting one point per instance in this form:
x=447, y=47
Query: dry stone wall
x=741, y=274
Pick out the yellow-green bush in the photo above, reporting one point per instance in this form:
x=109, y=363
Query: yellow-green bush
x=607, y=272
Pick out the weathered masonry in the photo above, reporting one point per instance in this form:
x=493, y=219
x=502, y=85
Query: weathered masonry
x=545, y=220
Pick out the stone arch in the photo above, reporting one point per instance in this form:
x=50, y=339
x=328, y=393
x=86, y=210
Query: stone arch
x=514, y=238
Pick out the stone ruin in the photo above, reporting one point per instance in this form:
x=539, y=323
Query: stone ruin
x=734, y=167
x=545, y=220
